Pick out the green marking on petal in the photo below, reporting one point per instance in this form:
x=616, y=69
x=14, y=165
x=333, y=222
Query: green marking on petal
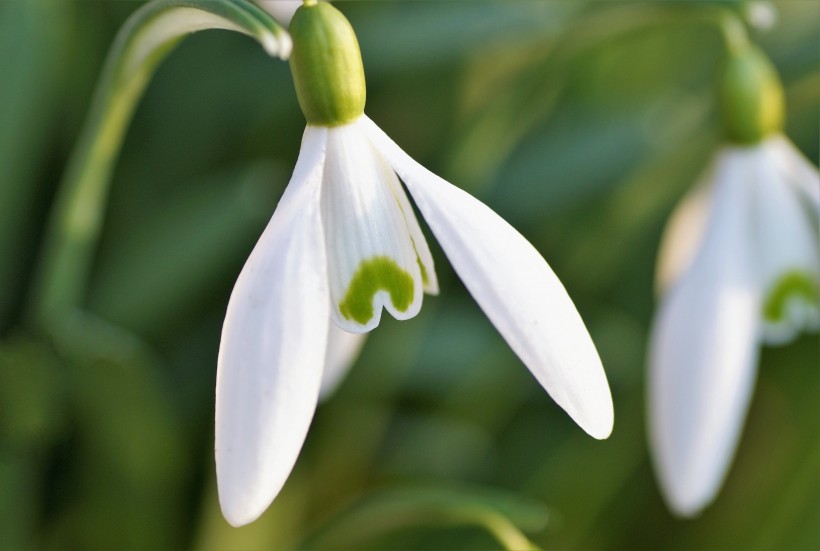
x=424, y=277
x=380, y=273
x=791, y=284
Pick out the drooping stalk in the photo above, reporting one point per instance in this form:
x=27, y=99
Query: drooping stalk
x=148, y=36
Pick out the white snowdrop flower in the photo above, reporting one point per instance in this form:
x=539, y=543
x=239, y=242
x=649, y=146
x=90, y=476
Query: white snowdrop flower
x=343, y=244
x=739, y=266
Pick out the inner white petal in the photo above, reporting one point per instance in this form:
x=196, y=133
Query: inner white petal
x=797, y=315
x=372, y=259
x=788, y=255
x=343, y=350
x=425, y=258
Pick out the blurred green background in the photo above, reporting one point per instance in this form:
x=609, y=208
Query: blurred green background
x=582, y=123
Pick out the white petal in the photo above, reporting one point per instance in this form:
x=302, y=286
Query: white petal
x=273, y=347
x=684, y=232
x=343, y=349
x=798, y=170
x=516, y=289
x=789, y=259
x=281, y=10
x=425, y=257
x=703, y=356
x=372, y=261
x=682, y=235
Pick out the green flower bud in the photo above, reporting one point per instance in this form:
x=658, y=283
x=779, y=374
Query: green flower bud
x=751, y=97
x=327, y=66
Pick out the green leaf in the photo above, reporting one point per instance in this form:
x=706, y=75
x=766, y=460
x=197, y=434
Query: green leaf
x=30, y=33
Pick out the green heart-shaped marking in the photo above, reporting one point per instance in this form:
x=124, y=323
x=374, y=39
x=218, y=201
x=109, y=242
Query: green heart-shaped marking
x=379, y=273
x=792, y=283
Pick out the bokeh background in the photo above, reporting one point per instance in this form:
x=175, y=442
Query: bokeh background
x=582, y=123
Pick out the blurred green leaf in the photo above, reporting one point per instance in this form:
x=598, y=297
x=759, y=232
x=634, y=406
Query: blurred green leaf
x=501, y=514
x=32, y=417
x=160, y=269
x=30, y=34
x=128, y=462
x=32, y=387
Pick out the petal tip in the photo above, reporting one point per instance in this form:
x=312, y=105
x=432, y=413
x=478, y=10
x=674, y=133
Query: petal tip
x=685, y=503
x=238, y=510
x=601, y=424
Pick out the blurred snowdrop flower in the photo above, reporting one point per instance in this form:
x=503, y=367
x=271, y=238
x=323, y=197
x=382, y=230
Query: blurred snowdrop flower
x=738, y=266
x=343, y=244
x=761, y=14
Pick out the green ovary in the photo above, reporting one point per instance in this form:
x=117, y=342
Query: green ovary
x=791, y=284
x=379, y=273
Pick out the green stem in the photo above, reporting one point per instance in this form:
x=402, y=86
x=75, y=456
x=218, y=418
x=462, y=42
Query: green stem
x=148, y=36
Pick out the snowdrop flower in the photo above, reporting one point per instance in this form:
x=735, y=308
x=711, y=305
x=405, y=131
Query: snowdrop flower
x=738, y=266
x=761, y=14
x=342, y=245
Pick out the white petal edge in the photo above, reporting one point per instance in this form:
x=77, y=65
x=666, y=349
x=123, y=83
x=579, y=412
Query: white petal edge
x=272, y=351
x=799, y=171
x=514, y=287
x=788, y=243
x=683, y=234
x=343, y=350
x=425, y=257
x=703, y=356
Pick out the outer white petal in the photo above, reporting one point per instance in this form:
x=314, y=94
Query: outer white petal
x=281, y=10
x=273, y=347
x=683, y=234
x=516, y=289
x=798, y=170
x=788, y=248
x=343, y=349
x=703, y=355
x=372, y=259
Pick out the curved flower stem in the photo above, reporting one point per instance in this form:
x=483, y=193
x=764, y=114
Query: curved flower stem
x=148, y=36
